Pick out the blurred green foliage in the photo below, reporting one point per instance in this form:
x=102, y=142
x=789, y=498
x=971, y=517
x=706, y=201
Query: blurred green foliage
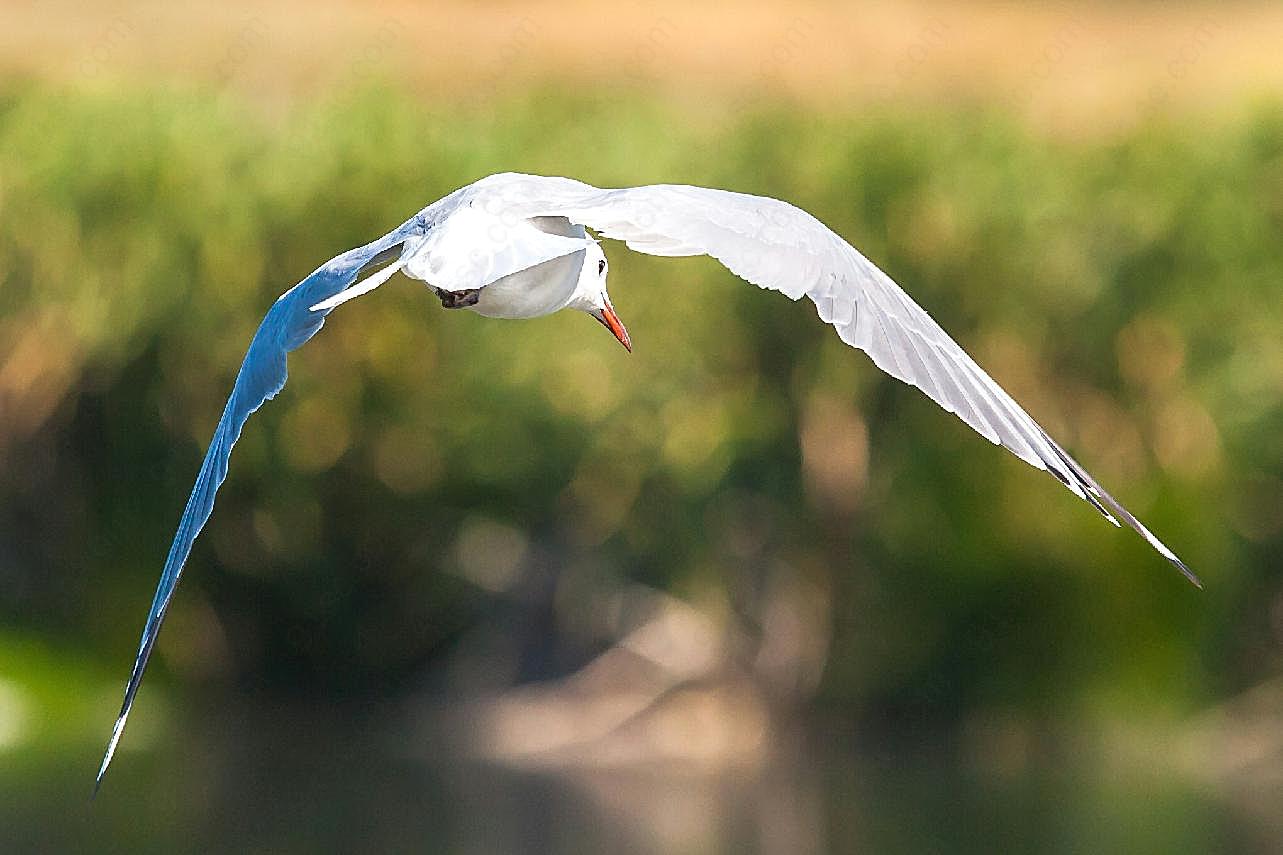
x=1125, y=290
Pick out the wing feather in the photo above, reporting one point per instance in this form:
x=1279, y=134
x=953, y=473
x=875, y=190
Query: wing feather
x=775, y=245
x=288, y=324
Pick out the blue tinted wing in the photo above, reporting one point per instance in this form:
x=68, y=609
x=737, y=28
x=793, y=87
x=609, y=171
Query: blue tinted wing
x=288, y=324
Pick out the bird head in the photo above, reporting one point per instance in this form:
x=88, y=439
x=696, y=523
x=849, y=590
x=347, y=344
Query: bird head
x=591, y=295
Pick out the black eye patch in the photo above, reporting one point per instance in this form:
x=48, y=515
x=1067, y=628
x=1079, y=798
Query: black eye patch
x=601, y=267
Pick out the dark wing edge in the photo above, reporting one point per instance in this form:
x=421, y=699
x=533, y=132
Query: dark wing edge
x=1112, y=509
x=287, y=325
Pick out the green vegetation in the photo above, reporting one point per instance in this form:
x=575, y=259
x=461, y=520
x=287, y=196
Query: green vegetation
x=1125, y=291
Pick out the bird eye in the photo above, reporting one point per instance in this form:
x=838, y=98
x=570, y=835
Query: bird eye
x=601, y=267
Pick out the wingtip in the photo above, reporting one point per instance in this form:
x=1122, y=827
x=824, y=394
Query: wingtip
x=116, y=731
x=1189, y=574
x=1172, y=558
x=1106, y=503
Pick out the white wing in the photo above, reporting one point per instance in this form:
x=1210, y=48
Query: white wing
x=469, y=249
x=776, y=245
x=288, y=324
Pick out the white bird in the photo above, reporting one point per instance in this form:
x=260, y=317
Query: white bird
x=516, y=246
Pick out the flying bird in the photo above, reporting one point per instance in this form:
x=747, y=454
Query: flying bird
x=518, y=246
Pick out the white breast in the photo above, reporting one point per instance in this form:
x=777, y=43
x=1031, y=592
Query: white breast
x=539, y=290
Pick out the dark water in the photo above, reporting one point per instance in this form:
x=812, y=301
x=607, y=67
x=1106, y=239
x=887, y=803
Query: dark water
x=292, y=779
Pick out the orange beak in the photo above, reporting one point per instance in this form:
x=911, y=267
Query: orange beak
x=612, y=322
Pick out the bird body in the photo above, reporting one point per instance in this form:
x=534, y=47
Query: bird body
x=517, y=246
x=541, y=289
